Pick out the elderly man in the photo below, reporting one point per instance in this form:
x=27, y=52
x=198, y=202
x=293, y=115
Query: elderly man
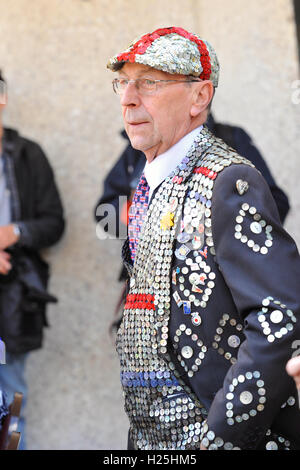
x=213, y=305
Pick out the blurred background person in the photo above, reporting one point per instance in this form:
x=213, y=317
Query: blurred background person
x=31, y=218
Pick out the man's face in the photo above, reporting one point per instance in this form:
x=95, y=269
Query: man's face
x=155, y=122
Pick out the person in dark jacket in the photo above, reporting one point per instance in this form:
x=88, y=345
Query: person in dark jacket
x=31, y=218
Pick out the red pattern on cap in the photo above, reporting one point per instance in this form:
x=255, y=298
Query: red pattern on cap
x=145, y=41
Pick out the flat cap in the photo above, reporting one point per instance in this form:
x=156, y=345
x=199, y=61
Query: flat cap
x=173, y=50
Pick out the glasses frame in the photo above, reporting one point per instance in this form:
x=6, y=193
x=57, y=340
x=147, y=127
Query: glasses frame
x=137, y=80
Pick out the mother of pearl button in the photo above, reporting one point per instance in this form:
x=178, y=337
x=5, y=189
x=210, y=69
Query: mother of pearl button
x=276, y=316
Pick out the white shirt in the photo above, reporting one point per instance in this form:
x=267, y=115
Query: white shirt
x=158, y=170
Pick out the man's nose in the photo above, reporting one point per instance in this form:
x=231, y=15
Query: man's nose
x=130, y=96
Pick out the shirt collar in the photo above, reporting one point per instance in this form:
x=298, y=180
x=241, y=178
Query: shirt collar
x=157, y=171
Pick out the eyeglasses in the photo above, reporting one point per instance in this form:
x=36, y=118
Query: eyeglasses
x=145, y=86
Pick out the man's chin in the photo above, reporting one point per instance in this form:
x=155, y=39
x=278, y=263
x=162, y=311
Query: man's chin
x=138, y=144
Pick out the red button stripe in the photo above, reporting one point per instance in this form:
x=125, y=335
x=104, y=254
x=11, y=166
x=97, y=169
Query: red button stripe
x=206, y=172
x=141, y=301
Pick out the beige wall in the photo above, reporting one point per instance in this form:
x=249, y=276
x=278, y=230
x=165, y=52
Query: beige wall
x=54, y=55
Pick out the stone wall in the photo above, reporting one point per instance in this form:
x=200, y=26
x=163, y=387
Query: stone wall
x=54, y=57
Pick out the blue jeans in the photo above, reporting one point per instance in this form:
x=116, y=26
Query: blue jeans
x=12, y=379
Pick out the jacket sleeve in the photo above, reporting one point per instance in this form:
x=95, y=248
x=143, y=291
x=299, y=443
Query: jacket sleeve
x=47, y=225
x=260, y=264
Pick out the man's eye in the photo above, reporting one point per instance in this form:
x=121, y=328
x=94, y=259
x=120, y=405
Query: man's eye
x=147, y=82
x=150, y=82
x=123, y=81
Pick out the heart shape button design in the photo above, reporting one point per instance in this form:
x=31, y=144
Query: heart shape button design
x=242, y=187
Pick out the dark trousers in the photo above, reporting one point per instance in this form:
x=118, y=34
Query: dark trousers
x=130, y=445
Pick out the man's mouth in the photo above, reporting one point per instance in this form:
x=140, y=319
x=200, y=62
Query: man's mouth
x=137, y=123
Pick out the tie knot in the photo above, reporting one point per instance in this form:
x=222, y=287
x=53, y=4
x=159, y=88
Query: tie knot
x=143, y=181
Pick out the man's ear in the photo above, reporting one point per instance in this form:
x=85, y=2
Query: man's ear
x=203, y=94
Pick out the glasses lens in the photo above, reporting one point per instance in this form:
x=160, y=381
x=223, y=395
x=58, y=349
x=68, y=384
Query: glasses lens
x=115, y=84
x=146, y=85
x=120, y=84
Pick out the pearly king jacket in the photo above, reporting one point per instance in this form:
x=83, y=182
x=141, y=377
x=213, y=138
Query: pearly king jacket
x=212, y=312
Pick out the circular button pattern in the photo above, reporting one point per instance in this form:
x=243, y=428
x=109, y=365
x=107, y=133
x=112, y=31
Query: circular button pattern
x=275, y=317
x=256, y=227
x=246, y=397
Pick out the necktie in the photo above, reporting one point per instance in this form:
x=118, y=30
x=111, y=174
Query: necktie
x=137, y=214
